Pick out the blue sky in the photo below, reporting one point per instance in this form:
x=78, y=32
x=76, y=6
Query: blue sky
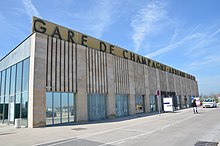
x=183, y=34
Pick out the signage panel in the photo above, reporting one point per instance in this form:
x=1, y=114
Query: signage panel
x=60, y=32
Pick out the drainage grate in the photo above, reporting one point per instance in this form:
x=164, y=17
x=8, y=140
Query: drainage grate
x=206, y=143
x=79, y=129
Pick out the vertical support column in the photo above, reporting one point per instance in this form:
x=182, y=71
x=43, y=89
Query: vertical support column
x=147, y=90
x=37, y=81
x=81, y=96
x=167, y=81
x=158, y=88
x=111, y=93
x=131, y=98
x=174, y=82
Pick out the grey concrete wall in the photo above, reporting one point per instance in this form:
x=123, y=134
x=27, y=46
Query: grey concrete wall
x=37, y=81
x=96, y=71
x=60, y=65
x=131, y=100
x=170, y=82
x=139, y=78
x=152, y=77
x=163, y=81
x=178, y=84
x=81, y=95
x=111, y=89
x=147, y=89
x=121, y=75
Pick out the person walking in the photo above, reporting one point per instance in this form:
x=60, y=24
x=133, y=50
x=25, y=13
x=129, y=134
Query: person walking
x=194, y=107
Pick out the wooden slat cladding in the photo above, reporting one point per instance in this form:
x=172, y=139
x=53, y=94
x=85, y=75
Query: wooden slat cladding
x=121, y=75
x=96, y=71
x=61, y=66
x=139, y=79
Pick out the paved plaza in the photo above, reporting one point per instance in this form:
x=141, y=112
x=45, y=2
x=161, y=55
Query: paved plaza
x=181, y=128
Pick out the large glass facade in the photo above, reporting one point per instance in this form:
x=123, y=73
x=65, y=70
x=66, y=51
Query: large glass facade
x=60, y=108
x=96, y=106
x=121, y=105
x=14, y=93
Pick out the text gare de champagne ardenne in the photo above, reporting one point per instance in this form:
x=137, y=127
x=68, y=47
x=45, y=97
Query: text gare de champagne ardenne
x=53, y=30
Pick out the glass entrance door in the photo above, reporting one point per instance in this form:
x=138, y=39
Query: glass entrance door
x=153, y=103
x=96, y=106
x=121, y=105
x=139, y=103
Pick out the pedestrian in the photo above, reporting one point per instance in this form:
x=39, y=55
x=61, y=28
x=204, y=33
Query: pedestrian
x=194, y=107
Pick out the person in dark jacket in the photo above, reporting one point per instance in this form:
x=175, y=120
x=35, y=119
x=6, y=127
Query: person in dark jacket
x=194, y=107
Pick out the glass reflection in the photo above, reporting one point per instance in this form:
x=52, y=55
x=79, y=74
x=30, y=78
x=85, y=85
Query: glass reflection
x=2, y=95
x=24, y=108
x=49, y=108
x=71, y=107
x=64, y=107
x=57, y=108
x=13, y=101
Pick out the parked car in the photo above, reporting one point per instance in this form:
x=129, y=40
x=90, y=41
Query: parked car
x=209, y=102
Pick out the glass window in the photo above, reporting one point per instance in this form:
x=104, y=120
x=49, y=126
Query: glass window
x=1, y=99
x=18, y=105
x=65, y=107
x=18, y=77
x=24, y=108
x=0, y=83
x=49, y=108
x=7, y=85
x=13, y=73
x=2, y=87
x=71, y=107
x=153, y=103
x=57, y=108
x=25, y=75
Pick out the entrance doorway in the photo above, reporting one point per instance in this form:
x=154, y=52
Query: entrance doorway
x=153, y=103
x=139, y=103
x=96, y=107
x=121, y=105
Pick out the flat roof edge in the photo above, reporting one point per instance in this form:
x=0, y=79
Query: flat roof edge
x=17, y=46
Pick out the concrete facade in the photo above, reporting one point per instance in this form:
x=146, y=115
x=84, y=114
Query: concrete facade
x=91, y=71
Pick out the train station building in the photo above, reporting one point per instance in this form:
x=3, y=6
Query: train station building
x=58, y=76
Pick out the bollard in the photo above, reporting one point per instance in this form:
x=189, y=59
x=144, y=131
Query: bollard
x=18, y=123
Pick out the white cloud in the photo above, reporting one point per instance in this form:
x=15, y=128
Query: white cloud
x=174, y=45
x=97, y=18
x=208, y=61
x=17, y=11
x=146, y=19
x=204, y=40
x=103, y=16
x=30, y=9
